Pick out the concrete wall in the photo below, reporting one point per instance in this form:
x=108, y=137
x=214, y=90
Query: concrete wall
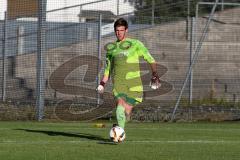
x=217, y=70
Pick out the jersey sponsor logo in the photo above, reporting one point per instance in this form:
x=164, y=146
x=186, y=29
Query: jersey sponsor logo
x=109, y=47
x=125, y=45
x=124, y=53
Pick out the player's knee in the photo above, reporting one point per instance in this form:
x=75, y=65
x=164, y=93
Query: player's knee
x=128, y=108
x=120, y=101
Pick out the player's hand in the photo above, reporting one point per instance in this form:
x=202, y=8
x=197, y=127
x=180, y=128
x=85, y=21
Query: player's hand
x=155, y=81
x=100, y=88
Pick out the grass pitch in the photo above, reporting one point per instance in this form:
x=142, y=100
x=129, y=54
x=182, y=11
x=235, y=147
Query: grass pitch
x=144, y=141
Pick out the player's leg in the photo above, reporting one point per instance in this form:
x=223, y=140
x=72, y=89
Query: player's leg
x=125, y=103
x=128, y=111
x=120, y=113
x=123, y=112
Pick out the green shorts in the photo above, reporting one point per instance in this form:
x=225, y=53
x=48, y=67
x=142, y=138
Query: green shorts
x=132, y=95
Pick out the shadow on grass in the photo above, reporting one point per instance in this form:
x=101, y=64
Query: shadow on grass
x=77, y=135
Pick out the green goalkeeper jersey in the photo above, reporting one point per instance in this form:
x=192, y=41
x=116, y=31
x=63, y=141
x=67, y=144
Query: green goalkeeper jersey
x=122, y=63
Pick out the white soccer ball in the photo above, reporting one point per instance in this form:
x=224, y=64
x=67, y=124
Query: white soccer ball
x=117, y=134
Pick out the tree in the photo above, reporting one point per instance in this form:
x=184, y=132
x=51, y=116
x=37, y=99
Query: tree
x=164, y=10
x=168, y=10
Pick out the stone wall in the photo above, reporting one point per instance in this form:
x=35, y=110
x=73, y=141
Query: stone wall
x=216, y=69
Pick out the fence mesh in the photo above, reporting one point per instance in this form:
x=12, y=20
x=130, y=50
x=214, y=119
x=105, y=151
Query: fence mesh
x=76, y=34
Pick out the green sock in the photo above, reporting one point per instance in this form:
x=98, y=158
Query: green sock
x=121, y=118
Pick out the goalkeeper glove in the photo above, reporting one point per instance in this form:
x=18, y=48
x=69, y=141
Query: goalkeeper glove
x=100, y=88
x=155, y=81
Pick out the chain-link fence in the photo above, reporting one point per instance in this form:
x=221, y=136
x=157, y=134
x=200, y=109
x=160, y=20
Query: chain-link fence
x=52, y=63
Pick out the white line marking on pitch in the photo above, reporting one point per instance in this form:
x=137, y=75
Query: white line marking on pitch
x=130, y=141
x=188, y=141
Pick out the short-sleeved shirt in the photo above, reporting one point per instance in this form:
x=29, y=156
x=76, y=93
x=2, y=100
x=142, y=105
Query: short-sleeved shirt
x=123, y=64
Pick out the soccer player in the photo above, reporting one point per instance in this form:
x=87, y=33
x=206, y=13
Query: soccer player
x=122, y=64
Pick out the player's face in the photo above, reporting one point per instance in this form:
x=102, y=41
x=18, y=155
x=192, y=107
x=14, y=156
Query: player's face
x=121, y=32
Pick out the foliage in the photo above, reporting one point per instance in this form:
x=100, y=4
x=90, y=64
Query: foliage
x=207, y=101
x=172, y=9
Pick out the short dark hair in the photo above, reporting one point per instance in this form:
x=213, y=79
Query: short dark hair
x=120, y=22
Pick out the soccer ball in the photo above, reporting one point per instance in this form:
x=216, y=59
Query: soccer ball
x=117, y=134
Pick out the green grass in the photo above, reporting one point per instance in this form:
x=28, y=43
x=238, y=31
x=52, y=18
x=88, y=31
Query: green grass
x=145, y=141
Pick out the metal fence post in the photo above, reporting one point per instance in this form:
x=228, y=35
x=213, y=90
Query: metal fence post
x=99, y=54
x=188, y=20
x=192, y=46
x=222, y=6
x=153, y=12
x=5, y=48
x=20, y=40
x=41, y=33
x=117, y=7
